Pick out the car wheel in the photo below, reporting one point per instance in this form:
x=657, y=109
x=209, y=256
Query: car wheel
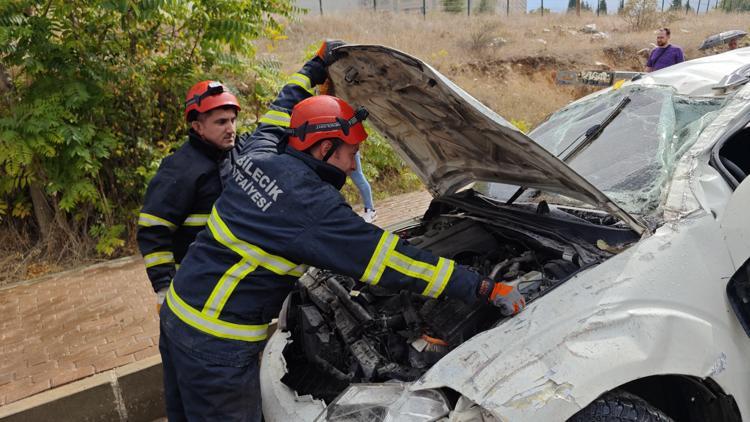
x=619, y=406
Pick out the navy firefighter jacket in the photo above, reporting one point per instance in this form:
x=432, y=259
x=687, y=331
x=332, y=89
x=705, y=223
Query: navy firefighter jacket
x=176, y=206
x=279, y=213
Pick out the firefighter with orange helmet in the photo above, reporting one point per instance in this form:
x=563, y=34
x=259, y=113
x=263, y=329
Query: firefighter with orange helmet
x=280, y=212
x=181, y=194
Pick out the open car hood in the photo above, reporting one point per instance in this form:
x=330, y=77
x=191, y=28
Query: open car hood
x=449, y=138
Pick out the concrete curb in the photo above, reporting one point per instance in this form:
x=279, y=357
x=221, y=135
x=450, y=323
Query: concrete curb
x=133, y=392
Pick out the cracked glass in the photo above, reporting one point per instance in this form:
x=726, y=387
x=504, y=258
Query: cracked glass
x=634, y=157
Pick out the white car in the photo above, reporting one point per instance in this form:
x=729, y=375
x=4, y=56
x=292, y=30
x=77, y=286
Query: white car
x=623, y=219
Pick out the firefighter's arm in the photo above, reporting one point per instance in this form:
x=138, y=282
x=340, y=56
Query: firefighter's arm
x=298, y=87
x=166, y=207
x=339, y=240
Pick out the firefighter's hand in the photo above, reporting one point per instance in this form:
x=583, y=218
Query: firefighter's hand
x=326, y=53
x=507, y=298
x=160, y=295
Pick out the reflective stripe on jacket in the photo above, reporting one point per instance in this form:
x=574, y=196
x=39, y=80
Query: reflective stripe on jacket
x=277, y=215
x=176, y=207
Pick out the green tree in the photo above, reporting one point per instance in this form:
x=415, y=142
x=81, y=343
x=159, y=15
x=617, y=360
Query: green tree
x=486, y=6
x=91, y=100
x=687, y=6
x=571, y=5
x=676, y=5
x=603, y=7
x=621, y=7
x=453, y=6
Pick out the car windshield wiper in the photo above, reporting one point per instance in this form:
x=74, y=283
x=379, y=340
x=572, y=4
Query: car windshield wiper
x=593, y=132
x=590, y=136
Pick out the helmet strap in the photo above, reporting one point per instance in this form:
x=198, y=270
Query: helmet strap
x=336, y=143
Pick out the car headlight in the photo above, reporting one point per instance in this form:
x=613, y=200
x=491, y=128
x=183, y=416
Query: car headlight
x=385, y=403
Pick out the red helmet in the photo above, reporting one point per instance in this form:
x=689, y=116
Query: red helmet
x=324, y=117
x=208, y=95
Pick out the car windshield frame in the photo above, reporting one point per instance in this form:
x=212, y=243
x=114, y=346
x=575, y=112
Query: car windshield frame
x=634, y=156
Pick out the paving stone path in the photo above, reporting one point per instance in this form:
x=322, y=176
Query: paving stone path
x=70, y=325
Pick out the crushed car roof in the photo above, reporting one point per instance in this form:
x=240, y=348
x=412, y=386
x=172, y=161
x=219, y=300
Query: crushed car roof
x=449, y=138
x=699, y=77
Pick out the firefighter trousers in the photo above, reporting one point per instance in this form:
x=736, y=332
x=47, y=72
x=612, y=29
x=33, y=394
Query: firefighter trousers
x=205, y=378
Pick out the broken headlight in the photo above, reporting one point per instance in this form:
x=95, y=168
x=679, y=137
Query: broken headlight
x=391, y=401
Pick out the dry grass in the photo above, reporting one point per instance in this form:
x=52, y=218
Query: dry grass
x=514, y=78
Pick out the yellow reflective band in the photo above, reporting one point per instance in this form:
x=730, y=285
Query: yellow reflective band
x=442, y=274
x=197, y=220
x=385, y=255
x=278, y=118
x=158, y=258
x=148, y=220
x=254, y=254
x=211, y=325
x=410, y=267
x=252, y=257
x=302, y=81
x=225, y=287
x=377, y=263
x=176, y=266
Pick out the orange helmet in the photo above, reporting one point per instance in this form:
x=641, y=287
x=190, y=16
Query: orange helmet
x=208, y=95
x=325, y=117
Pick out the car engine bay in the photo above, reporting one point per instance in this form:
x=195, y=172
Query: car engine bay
x=344, y=331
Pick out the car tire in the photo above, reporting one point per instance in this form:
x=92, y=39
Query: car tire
x=620, y=406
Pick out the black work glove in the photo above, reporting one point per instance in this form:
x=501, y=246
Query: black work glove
x=326, y=51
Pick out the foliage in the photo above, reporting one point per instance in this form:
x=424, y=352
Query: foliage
x=676, y=5
x=522, y=125
x=621, y=7
x=453, y=6
x=640, y=14
x=603, y=6
x=486, y=6
x=385, y=170
x=94, y=101
x=735, y=5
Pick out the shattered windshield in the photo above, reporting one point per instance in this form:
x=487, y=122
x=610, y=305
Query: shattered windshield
x=633, y=158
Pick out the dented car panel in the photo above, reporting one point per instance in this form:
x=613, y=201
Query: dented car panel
x=606, y=305
x=646, y=311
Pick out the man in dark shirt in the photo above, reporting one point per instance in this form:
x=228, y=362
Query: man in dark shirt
x=665, y=54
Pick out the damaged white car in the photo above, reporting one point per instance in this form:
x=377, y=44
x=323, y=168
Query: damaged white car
x=625, y=222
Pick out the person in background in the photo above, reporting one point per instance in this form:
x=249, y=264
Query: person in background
x=359, y=179
x=665, y=54
x=181, y=194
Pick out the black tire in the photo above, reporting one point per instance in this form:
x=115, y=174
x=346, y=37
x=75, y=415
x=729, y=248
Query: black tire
x=619, y=406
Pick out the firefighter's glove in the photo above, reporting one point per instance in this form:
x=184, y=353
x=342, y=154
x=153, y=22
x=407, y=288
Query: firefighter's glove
x=507, y=298
x=160, y=295
x=326, y=53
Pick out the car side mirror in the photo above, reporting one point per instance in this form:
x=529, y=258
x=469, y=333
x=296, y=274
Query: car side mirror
x=738, y=292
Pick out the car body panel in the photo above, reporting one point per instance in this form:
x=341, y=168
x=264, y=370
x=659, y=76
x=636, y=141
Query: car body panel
x=630, y=317
x=449, y=138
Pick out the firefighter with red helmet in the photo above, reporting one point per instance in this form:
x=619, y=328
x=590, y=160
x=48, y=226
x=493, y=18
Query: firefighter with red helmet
x=181, y=194
x=281, y=211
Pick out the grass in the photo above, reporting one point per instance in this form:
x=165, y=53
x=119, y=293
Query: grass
x=515, y=78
